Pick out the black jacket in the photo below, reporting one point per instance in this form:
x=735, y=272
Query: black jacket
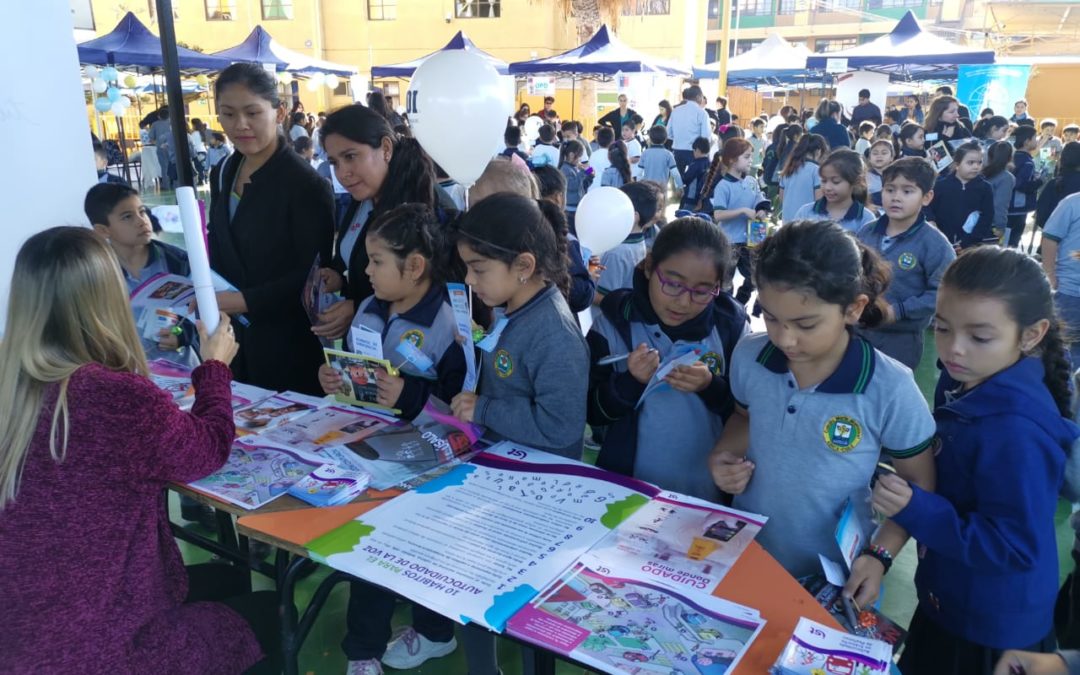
x=283, y=220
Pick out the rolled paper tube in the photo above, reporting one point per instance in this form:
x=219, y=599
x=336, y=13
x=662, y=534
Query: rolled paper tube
x=205, y=296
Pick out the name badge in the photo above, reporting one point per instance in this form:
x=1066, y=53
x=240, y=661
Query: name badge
x=492, y=338
x=413, y=355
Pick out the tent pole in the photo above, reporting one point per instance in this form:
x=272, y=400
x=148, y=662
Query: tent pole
x=573, y=95
x=185, y=176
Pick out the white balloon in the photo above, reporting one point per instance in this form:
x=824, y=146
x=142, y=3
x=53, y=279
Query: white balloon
x=284, y=77
x=604, y=218
x=332, y=81
x=99, y=85
x=125, y=101
x=91, y=72
x=532, y=128
x=447, y=88
x=319, y=78
x=312, y=85
x=118, y=108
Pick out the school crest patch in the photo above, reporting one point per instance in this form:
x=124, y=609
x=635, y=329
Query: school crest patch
x=906, y=261
x=842, y=434
x=415, y=336
x=504, y=365
x=713, y=361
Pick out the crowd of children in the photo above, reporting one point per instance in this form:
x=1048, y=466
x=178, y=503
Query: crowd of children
x=790, y=423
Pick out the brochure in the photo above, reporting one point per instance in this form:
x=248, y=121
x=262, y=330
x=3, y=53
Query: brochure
x=939, y=156
x=459, y=302
x=868, y=622
x=358, y=383
x=330, y=485
x=314, y=296
x=681, y=355
x=815, y=649
x=620, y=624
x=479, y=542
x=333, y=425
x=275, y=411
x=174, y=379
x=257, y=472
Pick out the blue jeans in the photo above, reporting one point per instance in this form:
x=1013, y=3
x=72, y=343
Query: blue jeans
x=1068, y=309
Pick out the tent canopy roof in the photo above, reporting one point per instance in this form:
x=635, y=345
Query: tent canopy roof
x=132, y=44
x=459, y=41
x=261, y=47
x=908, y=45
x=603, y=54
x=775, y=58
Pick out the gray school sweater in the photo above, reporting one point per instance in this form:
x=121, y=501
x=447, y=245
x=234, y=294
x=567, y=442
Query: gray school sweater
x=534, y=382
x=918, y=258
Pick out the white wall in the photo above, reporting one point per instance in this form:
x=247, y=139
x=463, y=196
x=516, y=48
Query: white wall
x=48, y=162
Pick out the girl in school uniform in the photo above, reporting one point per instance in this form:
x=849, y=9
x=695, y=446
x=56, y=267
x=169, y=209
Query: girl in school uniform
x=380, y=170
x=963, y=204
x=800, y=181
x=843, y=190
x=677, y=301
x=570, y=154
x=618, y=173
x=1002, y=182
x=736, y=200
x=270, y=214
x=534, y=379
x=988, y=562
x=90, y=575
x=912, y=141
x=811, y=377
x=411, y=311
x=882, y=154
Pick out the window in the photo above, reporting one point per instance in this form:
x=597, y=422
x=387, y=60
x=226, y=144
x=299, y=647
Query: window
x=646, y=7
x=220, y=10
x=83, y=14
x=752, y=7
x=840, y=5
x=277, y=9
x=785, y=7
x=891, y=4
x=381, y=10
x=152, y=6
x=344, y=88
x=477, y=9
x=742, y=46
x=828, y=45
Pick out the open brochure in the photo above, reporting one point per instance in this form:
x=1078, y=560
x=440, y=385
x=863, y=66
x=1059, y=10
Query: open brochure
x=333, y=425
x=864, y=622
x=170, y=294
x=627, y=624
x=314, y=297
x=478, y=543
x=358, y=377
x=276, y=411
x=175, y=379
x=815, y=649
x=257, y=472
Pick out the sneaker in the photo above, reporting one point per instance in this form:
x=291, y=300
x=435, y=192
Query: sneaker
x=365, y=667
x=409, y=649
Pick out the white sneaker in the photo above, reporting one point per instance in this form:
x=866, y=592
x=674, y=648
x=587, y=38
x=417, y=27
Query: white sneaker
x=408, y=649
x=366, y=667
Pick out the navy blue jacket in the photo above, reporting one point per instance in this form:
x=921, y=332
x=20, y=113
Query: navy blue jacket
x=952, y=204
x=836, y=135
x=1023, y=200
x=694, y=181
x=1058, y=189
x=988, y=569
x=613, y=396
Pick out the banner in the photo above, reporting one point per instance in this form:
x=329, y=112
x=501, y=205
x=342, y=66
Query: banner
x=992, y=86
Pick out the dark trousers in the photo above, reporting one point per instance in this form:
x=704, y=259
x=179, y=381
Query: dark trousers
x=742, y=263
x=683, y=159
x=215, y=582
x=1016, y=225
x=368, y=619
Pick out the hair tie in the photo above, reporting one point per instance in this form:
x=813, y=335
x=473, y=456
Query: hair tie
x=723, y=128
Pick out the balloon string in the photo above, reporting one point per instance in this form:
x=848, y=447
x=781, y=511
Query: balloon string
x=466, y=199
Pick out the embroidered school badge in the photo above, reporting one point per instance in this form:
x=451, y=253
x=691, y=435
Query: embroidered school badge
x=713, y=361
x=504, y=365
x=906, y=261
x=842, y=434
x=415, y=336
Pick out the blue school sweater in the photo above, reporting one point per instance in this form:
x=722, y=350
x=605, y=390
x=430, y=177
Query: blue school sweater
x=430, y=327
x=694, y=180
x=575, y=185
x=953, y=204
x=988, y=569
x=534, y=382
x=668, y=438
x=1027, y=185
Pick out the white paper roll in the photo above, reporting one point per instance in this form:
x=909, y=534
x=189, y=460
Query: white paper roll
x=205, y=296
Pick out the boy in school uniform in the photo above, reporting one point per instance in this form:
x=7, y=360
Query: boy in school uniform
x=758, y=142
x=633, y=148
x=866, y=135
x=619, y=262
x=544, y=153
x=599, y=161
x=917, y=253
x=694, y=178
x=1027, y=183
x=657, y=162
x=512, y=138
x=1070, y=133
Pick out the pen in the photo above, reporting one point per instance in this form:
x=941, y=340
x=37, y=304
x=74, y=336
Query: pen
x=608, y=360
x=849, y=611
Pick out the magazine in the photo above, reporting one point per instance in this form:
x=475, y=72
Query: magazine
x=332, y=425
x=618, y=624
x=276, y=411
x=257, y=472
x=358, y=377
x=939, y=156
x=815, y=649
x=315, y=298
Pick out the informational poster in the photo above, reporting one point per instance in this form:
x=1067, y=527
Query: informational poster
x=995, y=86
x=479, y=542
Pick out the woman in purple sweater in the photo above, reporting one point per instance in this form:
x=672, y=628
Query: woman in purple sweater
x=91, y=580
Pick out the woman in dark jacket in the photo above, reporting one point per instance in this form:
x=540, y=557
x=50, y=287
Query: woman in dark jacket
x=944, y=121
x=381, y=170
x=270, y=215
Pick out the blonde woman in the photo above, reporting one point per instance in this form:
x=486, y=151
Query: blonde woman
x=91, y=579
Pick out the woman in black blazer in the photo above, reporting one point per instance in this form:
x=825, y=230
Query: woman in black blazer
x=381, y=170
x=270, y=214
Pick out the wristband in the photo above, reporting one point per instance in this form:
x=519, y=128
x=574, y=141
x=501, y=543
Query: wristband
x=881, y=554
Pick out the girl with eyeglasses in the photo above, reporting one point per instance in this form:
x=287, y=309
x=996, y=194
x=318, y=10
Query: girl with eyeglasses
x=676, y=304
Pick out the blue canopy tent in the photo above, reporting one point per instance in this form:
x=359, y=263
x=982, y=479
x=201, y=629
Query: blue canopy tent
x=774, y=62
x=132, y=45
x=261, y=47
x=603, y=55
x=907, y=51
x=459, y=41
